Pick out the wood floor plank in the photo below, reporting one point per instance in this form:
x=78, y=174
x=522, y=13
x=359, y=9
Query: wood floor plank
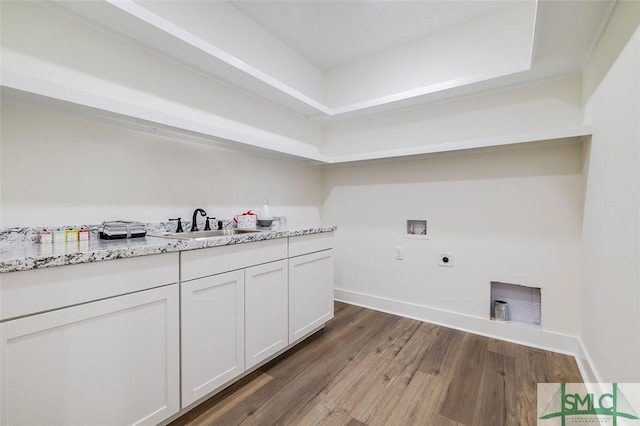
x=369, y=368
x=230, y=400
x=530, y=370
x=562, y=368
x=501, y=347
x=420, y=401
x=351, y=387
x=526, y=389
x=510, y=389
x=209, y=411
x=462, y=392
x=442, y=352
x=441, y=420
x=302, y=381
x=317, y=415
x=387, y=369
x=494, y=392
x=531, y=362
x=391, y=384
x=355, y=422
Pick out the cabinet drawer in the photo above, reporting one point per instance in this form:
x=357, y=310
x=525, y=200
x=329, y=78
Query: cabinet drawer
x=38, y=290
x=216, y=260
x=310, y=243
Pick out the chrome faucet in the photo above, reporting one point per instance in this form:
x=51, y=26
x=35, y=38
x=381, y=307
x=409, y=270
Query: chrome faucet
x=194, y=225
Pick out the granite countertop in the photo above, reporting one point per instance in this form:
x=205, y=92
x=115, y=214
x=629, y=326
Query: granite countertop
x=24, y=256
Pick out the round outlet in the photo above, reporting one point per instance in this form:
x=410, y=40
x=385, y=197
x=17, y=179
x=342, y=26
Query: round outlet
x=446, y=259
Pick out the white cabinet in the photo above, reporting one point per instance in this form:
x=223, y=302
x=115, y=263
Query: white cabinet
x=216, y=260
x=266, y=319
x=305, y=244
x=121, y=342
x=110, y=362
x=39, y=290
x=212, y=333
x=310, y=293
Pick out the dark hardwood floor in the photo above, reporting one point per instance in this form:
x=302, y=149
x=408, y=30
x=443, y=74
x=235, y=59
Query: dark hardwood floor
x=372, y=368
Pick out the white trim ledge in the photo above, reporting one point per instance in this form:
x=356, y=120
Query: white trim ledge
x=161, y=116
x=556, y=342
x=460, y=145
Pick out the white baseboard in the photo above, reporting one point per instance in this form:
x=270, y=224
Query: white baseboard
x=536, y=338
x=586, y=365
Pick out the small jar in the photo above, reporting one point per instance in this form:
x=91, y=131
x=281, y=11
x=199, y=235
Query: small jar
x=45, y=237
x=71, y=235
x=83, y=234
x=59, y=236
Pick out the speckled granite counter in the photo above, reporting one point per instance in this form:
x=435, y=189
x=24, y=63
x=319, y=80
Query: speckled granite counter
x=23, y=256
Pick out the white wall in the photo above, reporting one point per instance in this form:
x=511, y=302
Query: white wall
x=512, y=216
x=56, y=170
x=611, y=285
x=551, y=105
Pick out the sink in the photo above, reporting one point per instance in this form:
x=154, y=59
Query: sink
x=204, y=234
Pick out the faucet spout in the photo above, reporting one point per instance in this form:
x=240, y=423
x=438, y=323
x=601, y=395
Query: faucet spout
x=194, y=224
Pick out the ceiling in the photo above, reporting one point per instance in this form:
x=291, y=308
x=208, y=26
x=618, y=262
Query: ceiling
x=335, y=33
x=315, y=61
x=333, y=60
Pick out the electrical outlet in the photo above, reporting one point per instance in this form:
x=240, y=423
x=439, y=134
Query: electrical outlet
x=445, y=259
x=399, y=253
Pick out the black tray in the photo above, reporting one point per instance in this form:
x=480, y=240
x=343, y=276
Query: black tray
x=104, y=236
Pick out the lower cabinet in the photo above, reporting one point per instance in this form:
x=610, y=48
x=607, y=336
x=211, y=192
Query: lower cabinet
x=212, y=333
x=310, y=293
x=266, y=317
x=84, y=352
x=109, y=362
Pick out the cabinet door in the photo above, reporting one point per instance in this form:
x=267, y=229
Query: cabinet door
x=265, y=311
x=212, y=333
x=310, y=293
x=110, y=362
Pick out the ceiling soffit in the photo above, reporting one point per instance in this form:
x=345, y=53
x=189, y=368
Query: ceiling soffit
x=506, y=45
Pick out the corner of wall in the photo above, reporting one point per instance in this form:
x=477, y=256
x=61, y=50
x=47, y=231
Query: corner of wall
x=609, y=292
x=623, y=23
x=585, y=365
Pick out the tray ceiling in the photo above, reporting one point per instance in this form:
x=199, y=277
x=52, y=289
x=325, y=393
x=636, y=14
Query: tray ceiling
x=335, y=33
x=331, y=60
